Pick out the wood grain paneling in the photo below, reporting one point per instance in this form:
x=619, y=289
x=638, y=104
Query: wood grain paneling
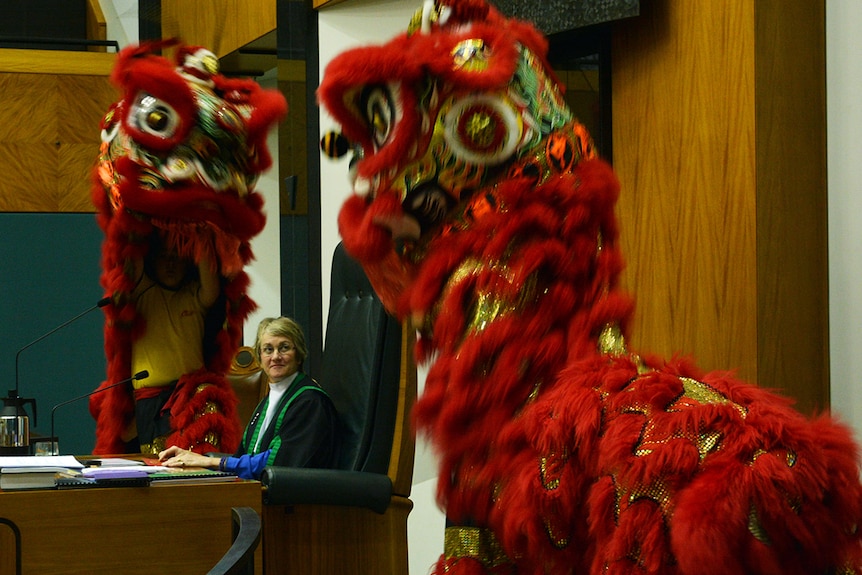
x=790, y=120
x=293, y=147
x=322, y=3
x=56, y=62
x=709, y=197
x=60, y=529
x=325, y=539
x=73, y=189
x=97, y=26
x=404, y=442
x=233, y=25
x=49, y=128
x=92, y=95
x=28, y=177
x=26, y=99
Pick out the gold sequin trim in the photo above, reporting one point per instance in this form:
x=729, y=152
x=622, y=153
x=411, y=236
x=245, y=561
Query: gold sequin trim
x=708, y=442
x=625, y=497
x=755, y=528
x=551, y=467
x=559, y=541
x=474, y=543
x=703, y=393
x=488, y=306
x=611, y=341
x=209, y=408
x=757, y=455
x=157, y=446
x=657, y=491
x=212, y=438
x=534, y=394
x=467, y=268
x=470, y=55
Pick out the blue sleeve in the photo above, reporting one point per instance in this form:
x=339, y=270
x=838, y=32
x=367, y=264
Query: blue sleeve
x=247, y=466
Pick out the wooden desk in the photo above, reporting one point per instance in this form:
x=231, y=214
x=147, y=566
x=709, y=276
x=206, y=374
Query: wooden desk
x=129, y=530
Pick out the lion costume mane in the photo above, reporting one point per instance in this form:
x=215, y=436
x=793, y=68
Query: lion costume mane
x=482, y=213
x=181, y=153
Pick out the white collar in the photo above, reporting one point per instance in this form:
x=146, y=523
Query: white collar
x=282, y=385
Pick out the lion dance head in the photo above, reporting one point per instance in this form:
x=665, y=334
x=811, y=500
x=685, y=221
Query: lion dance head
x=464, y=99
x=181, y=152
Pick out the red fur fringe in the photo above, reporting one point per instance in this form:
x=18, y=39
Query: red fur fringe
x=196, y=423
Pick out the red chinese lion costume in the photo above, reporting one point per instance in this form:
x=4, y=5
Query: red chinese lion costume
x=181, y=153
x=482, y=212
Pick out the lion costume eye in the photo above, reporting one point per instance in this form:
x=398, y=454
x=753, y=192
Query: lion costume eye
x=379, y=108
x=153, y=116
x=484, y=129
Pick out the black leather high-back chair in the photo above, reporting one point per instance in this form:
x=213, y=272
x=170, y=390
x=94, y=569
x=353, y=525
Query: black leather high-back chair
x=352, y=519
x=361, y=366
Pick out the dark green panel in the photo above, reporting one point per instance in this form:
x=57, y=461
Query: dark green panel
x=49, y=273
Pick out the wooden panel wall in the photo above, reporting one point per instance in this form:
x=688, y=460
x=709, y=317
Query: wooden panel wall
x=718, y=128
x=97, y=26
x=51, y=104
x=324, y=3
x=292, y=149
x=233, y=25
x=792, y=213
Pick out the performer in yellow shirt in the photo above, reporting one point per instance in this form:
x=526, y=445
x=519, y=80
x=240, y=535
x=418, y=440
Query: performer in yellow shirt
x=184, y=401
x=173, y=299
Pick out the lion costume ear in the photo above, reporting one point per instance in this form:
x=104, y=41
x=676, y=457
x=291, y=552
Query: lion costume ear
x=482, y=56
x=158, y=106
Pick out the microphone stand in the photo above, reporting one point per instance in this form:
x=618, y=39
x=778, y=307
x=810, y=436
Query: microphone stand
x=13, y=393
x=140, y=375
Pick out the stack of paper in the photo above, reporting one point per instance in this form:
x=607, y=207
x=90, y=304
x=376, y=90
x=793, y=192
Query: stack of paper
x=32, y=472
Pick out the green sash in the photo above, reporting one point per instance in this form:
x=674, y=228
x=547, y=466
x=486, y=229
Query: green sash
x=295, y=389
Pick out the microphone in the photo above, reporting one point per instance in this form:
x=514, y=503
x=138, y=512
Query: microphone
x=140, y=375
x=13, y=393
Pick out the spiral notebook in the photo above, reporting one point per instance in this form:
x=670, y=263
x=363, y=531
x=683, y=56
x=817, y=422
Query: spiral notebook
x=194, y=475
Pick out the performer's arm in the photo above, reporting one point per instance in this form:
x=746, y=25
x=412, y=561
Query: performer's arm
x=210, y=285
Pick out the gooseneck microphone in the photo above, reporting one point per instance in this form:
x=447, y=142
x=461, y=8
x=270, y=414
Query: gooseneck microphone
x=140, y=375
x=13, y=393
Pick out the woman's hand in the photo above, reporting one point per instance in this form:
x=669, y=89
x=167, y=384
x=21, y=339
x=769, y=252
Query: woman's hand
x=176, y=457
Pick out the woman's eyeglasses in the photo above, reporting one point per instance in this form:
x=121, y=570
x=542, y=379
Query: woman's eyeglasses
x=283, y=349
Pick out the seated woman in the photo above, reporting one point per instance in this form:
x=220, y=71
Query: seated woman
x=295, y=425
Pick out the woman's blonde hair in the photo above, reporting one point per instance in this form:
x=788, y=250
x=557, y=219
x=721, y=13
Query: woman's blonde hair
x=283, y=327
